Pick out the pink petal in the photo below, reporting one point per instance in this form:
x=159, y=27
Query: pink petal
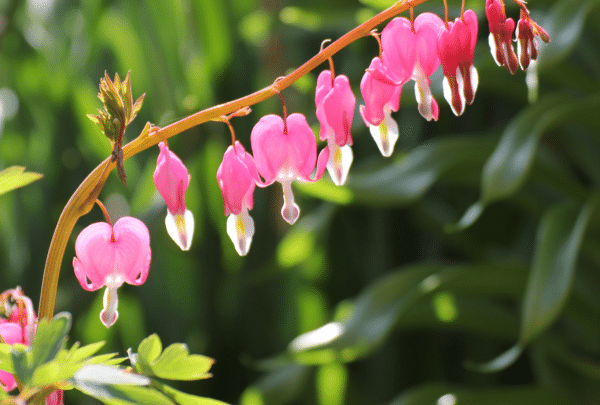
x=427, y=30
x=133, y=254
x=399, y=49
x=56, y=397
x=338, y=106
x=237, y=177
x=95, y=255
x=302, y=146
x=379, y=92
x=269, y=146
x=172, y=179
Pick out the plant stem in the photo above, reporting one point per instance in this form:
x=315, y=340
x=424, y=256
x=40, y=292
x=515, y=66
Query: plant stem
x=84, y=197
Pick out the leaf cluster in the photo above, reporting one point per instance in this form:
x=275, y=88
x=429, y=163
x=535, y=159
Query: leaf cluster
x=48, y=365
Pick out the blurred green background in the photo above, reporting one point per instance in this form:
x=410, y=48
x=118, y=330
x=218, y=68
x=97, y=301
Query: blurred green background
x=414, y=305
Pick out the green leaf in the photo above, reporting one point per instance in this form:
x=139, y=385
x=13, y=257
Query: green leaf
x=433, y=394
x=508, y=167
x=175, y=363
x=551, y=279
x=50, y=338
x=381, y=305
x=6, y=358
x=558, y=243
x=181, y=398
x=15, y=177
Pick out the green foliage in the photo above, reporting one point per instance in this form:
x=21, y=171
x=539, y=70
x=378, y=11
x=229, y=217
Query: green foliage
x=174, y=363
x=15, y=177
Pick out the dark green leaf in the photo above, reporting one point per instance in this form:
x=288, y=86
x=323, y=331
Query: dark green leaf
x=438, y=394
x=50, y=338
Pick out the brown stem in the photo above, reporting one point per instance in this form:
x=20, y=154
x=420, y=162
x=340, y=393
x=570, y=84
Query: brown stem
x=84, y=197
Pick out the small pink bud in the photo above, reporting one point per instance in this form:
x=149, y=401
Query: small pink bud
x=110, y=256
x=171, y=179
x=237, y=177
x=335, y=111
x=527, y=33
x=285, y=157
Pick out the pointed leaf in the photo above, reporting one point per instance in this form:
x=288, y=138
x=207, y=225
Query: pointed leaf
x=50, y=338
x=181, y=398
x=15, y=177
x=558, y=243
x=175, y=363
x=508, y=167
x=148, y=351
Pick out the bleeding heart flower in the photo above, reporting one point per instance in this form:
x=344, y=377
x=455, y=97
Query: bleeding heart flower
x=285, y=152
x=335, y=109
x=527, y=33
x=171, y=179
x=456, y=46
x=110, y=256
x=237, y=177
x=500, y=39
x=382, y=96
x=427, y=28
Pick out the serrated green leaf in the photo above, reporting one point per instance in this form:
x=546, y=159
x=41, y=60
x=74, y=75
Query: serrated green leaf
x=20, y=361
x=49, y=338
x=148, y=351
x=79, y=353
x=15, y=177
x=175, y=363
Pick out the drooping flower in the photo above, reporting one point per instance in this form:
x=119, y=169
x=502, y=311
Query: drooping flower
x=501, y=35
x=382, y=96
x=527, y=33
x=110, y=256
x=427, y=28
x=237, y=177
x=456, y=46
x=285, y=152
x=17, y=325
x=335, y=109
x=399, y=47
x=171, y=179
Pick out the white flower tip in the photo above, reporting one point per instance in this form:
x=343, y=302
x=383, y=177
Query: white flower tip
x=181, y=228
x=290, y=212
x=338, y=165
x=109, y=314
x=240, y=228
x=385, y=135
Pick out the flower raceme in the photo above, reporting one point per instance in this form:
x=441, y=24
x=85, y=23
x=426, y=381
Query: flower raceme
x=110, y=256
x=284, y=152
x=335, y=109
x=171, y=179
x=237, y=177
x=17, y=325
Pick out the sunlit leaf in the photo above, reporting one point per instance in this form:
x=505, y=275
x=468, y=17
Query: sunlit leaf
x=15, y=177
